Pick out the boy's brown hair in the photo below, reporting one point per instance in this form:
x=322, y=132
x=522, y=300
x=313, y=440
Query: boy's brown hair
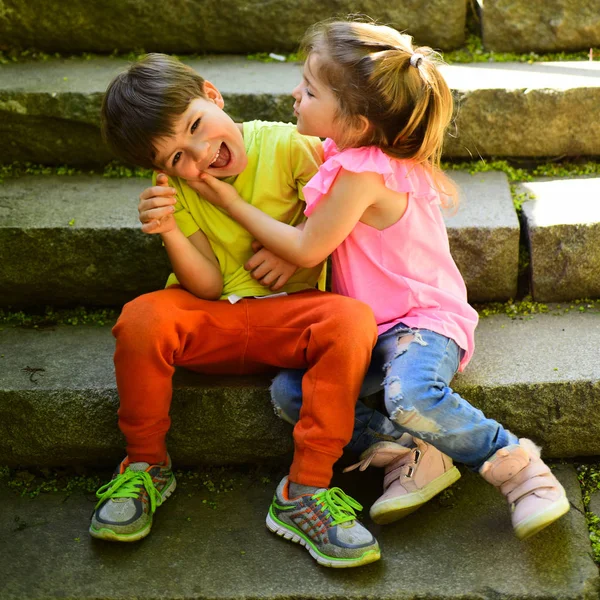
x=141, y=105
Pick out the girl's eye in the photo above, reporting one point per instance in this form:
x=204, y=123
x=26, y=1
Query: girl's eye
x=308, y=93
x=195, y=125
x=176, y=159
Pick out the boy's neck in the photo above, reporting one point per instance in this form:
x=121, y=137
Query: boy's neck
x=240, y=126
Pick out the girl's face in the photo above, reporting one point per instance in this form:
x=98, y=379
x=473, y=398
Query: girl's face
x=315, y=104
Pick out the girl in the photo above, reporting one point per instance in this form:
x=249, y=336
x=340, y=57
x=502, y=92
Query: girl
x=375, y=204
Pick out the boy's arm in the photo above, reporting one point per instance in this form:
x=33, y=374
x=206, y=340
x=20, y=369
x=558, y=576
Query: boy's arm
x=192, y=258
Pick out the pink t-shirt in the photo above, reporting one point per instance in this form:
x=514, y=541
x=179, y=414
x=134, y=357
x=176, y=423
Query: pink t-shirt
x=405, y=272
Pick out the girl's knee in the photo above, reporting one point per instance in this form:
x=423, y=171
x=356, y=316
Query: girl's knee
x=286, y=395
x=410, y=403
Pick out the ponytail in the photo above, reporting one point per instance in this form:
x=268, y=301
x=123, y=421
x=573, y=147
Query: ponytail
x=376, y=73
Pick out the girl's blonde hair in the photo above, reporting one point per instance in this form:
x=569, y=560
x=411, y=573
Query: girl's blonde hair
x=375, y=72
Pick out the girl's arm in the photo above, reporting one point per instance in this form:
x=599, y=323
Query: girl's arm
x=329, y=225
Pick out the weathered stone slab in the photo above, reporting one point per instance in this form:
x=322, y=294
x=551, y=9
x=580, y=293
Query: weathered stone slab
x=534, y=376
x=49, y=112
x=518, y=109
x=563, y=226
x=539, y=25
x=66, y=413
x=484, y=236
x=463, y=545
x=198, y=26
x=75, y=240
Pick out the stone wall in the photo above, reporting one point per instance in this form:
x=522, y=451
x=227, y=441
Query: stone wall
x=540, y=25
x=195, y=26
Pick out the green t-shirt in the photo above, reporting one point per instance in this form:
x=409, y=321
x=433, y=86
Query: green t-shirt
x=280, y=163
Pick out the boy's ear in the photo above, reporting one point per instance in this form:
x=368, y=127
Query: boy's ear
x=213, y=94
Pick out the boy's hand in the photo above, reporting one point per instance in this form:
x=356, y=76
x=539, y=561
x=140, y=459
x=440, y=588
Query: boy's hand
x=156, y=207
x=214, y=190
x=268, y=269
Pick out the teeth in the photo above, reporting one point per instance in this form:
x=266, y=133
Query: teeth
x=215, y=157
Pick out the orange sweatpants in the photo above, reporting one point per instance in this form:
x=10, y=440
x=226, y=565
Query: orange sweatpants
x=329, y=335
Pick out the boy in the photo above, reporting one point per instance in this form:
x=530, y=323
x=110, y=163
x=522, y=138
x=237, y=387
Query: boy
x=160, y=114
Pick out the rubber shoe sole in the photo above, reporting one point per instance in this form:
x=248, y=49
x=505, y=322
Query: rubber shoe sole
x=104, y=533
x=296, y=536
x=536, y=523
x=392, y=509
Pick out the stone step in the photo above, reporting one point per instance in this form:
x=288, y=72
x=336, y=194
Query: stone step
x=203, y=26
x=49, y=111
x=539, y=376
x=76, y=240
x=215, y=546
x=540, y=26
x=563, y=230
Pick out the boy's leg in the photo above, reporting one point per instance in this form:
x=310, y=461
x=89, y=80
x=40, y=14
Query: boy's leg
x=332, y=340
x=330, y=336
x=324, y=333
x=155, y=332
x=370, y=425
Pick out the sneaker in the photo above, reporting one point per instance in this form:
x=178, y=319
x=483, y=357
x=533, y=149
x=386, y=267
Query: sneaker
x=325, y=524
x=415, y=472
x=128, y=501
x=535, y=496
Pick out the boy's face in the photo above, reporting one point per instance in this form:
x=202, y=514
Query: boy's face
x=206, y=140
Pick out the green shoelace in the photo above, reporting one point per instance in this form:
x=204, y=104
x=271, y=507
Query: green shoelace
x=341, y=507
x=128, y=485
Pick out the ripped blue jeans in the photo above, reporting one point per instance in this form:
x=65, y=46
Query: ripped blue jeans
x=414, y=367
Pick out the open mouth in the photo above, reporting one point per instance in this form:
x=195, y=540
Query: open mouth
x=222, y=158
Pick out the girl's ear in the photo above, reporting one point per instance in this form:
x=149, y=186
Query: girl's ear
x=213, y=94
x=363, y=125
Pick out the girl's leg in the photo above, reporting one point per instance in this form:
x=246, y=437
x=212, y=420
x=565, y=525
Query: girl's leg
x=418, y=397
x=370, y=425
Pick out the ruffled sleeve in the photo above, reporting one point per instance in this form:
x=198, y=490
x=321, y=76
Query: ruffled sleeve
x=399, y=175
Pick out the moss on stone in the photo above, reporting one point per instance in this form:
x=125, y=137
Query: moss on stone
x=51, y=317
x=589, y=479
x=472, y=52
x=526, y=307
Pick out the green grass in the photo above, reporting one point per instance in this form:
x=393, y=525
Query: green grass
x=472, y=52
x=589, y=479
x=51, y=317
x=526, y=307
x=112, y=170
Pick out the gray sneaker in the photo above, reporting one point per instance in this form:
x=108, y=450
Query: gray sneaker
x=325, y=524
x=128, y=501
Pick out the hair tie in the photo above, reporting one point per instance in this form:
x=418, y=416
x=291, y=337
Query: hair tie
x=415, y=59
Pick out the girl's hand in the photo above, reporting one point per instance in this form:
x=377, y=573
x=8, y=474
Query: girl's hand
x=156, y=207
x=268, y=269
x=214, y=190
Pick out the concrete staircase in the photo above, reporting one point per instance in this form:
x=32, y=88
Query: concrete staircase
x=75, y=240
